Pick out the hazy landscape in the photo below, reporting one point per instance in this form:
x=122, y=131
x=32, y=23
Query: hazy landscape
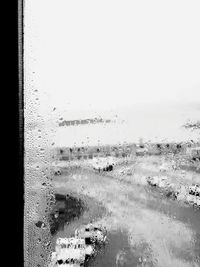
x=111, y=133
x=146, y=225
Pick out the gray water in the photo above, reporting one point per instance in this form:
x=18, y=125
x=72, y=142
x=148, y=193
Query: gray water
x=153, y=122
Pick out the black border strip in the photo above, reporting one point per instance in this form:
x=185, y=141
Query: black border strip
x=20, y=17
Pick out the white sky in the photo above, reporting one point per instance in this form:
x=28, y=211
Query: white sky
x=109, y=53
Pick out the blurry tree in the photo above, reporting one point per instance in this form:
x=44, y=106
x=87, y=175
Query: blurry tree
x=192, y=125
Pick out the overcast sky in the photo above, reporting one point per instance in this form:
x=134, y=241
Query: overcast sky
x=109, y=53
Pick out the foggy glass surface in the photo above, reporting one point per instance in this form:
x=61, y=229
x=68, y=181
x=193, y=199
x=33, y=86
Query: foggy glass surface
x=112, y=133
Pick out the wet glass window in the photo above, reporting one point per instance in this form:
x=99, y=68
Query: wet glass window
x=111, y=133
